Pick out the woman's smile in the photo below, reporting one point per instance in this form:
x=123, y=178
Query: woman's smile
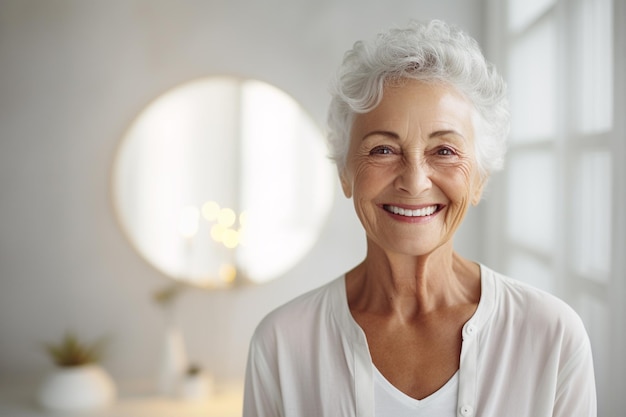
x=412, y=214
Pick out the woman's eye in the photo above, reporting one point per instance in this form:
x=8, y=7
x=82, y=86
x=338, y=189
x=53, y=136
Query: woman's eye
x=381, y=150
x=445, y=152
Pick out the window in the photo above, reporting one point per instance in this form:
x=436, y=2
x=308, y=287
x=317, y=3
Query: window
x=559, y=205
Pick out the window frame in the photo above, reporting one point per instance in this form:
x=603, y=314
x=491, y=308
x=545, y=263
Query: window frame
x=566, y=147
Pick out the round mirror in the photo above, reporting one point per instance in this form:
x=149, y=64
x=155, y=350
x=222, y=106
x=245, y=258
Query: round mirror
x=223, y=180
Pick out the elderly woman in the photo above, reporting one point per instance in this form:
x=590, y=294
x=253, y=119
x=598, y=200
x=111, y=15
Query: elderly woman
x=417, y=122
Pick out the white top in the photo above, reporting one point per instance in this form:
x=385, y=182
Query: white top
x=390, y=401
x=525, y=353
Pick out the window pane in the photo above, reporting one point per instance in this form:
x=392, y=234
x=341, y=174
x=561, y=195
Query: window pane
x=593, y=32
x=592, y=205
x=531, y=271
x=523, y=12
x=532, y=84
x=531, y=199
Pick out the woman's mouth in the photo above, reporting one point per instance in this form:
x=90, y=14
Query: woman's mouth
x=421, y=212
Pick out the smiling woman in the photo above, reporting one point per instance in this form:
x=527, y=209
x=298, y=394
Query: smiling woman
x=413, y=156
x=222, y=181
x=418, y=121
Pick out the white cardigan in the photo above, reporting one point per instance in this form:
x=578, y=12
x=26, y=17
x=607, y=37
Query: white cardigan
x=525, y=353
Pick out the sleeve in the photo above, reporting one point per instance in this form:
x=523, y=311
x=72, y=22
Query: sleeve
x=576, y=388
x=262, y=394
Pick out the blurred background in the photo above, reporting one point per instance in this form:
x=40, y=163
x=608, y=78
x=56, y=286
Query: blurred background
x=75, y=75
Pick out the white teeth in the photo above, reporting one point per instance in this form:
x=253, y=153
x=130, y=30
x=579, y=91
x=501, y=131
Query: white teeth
x=426, y=211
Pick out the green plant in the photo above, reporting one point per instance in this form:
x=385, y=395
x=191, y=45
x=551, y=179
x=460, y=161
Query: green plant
x=71, y=351
x=193, y=369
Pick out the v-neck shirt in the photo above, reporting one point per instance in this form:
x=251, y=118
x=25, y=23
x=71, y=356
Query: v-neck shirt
x=390, y=401
x=524, y=353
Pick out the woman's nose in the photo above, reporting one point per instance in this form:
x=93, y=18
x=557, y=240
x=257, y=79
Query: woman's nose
x=414, y=177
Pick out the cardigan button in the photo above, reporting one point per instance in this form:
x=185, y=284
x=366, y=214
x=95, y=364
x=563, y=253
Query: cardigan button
x=466, y=411
x=469, y=331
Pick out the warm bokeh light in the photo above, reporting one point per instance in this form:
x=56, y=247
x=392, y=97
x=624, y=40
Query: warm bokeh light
x=227, y=273
x=223, y=220
x=210, y=211
x=226, y=217
x=230, y=239
x=217, y=232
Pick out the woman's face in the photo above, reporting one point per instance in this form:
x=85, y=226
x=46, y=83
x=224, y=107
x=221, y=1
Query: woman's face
x=411, y=167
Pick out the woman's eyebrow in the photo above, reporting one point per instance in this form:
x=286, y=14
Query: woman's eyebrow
x=439, y=133
x=394, y=135
x=387, y=133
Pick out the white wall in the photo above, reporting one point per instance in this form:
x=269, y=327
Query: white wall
x=73, y=75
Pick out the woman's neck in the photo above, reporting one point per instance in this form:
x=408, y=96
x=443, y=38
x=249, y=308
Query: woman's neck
x=411, y=286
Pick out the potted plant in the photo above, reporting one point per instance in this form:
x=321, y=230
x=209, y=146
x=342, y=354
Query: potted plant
x=196, y=385
x=78, y=382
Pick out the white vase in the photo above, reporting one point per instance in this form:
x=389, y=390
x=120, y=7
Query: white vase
x=76, y=388
x=197, y=387
x=173, y=362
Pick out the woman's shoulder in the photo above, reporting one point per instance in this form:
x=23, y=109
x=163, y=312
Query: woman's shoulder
x=533, y=308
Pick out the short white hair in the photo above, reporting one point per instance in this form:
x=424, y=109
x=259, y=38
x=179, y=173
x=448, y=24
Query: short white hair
x=429, y=52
